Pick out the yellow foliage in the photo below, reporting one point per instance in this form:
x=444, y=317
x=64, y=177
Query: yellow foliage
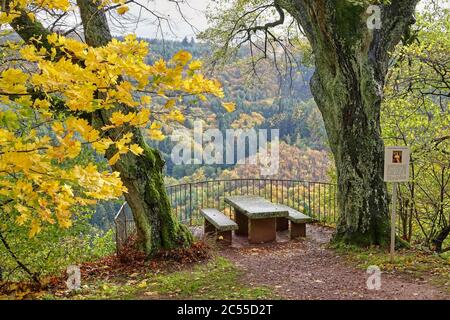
x=182, y=57
x=43, y=176
x=155, y=132
x=195, y=65
x=136, y=149
x=229, y=106
x=248, y=121
x=122, y=9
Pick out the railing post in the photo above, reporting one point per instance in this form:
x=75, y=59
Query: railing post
x=309, y=199
x=190, y=203
x=319, y=201
x=125, y=223
x=271, y=191
x=117, y=238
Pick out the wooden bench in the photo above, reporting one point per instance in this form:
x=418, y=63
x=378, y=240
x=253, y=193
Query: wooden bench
x=218, y=224
x=298, y=222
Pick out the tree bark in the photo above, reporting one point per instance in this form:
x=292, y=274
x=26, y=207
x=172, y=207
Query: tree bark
x=351, y=65
x=157, y=226
x=439, y=239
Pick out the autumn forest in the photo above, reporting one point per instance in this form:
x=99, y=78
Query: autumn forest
x=247, y=158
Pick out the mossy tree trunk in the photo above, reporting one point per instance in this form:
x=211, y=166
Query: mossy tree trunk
x=157, y=227
x=351, y=65
x=143, y=175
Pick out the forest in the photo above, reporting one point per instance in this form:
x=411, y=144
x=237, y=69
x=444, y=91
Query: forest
x=92, y=205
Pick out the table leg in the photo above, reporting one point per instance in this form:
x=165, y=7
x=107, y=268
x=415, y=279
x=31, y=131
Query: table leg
x=262, y=230
x=282, y=224
x=242, y=222
x=298, y=230
x=225, y=237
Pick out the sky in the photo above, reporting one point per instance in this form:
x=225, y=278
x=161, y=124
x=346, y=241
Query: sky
x=193, y=12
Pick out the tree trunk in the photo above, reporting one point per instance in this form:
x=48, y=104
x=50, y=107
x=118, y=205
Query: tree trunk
x=157, y=227
x=143, y=175
x=351, y=65
x=439, y=239
x=358, y=152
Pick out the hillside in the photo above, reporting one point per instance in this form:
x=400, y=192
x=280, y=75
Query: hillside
x=285, y=103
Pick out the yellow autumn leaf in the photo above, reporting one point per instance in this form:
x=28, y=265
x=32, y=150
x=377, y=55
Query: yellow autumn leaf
x=145, y=100
x=35, y=228
x=229, y=106
x=141, y=118
x=113, y=160
x=182, y=57
x=176, y=115
x=122, y=9
x=170, y=104
x=195, y=65
x=102, y=145
x=156, y=135
x=134, y=148
x=58, y=128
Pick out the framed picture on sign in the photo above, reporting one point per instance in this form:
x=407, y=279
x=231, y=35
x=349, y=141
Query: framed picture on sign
x=396, y=164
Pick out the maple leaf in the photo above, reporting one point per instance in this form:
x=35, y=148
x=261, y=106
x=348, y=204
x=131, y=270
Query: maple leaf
x=229, y=106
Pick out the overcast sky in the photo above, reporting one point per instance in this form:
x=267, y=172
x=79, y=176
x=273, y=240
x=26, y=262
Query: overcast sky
x=193, y=12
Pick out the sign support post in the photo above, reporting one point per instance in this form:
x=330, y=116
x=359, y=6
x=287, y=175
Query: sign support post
x=393, y=219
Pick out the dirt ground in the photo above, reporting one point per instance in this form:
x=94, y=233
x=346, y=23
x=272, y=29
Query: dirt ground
x=306, y=269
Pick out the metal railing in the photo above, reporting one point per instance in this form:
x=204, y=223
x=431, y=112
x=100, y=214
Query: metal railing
x=316, y=199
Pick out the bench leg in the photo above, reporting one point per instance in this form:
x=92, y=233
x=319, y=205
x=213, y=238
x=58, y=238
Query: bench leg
x=242, y=222
x=224, y=237
x=209, y=228
x=298, y=230
x=282, y=224
x=262, y=230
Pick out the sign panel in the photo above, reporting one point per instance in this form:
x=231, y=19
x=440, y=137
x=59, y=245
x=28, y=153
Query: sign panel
x=396, y=164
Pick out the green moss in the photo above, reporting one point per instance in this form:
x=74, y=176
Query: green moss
x=376, y=234
x=348, y=20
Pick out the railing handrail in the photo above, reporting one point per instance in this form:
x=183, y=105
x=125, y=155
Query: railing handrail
x=240, y=179
x=120, y=210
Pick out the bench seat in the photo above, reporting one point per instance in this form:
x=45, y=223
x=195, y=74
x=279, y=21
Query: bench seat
x=219, y=224
x=220, y=221
x=298, y=222
x=296, y=216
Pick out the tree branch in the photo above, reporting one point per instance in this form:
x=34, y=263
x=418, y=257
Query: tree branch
x=33, y=276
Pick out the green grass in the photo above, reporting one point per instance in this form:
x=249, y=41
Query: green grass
x=415, y=263
x=217, y=279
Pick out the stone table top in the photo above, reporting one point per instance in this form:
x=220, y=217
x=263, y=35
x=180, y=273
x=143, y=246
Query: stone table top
x=256, y=207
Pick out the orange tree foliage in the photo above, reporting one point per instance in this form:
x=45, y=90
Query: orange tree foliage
x=294, y=164
x=46, y=95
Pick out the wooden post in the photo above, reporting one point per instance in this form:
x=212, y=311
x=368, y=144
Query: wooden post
x=393, y=219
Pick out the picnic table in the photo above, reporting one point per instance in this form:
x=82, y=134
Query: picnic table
x=256, y=217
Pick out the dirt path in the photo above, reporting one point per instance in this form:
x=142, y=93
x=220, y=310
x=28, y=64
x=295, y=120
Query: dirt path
x=305, y=269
